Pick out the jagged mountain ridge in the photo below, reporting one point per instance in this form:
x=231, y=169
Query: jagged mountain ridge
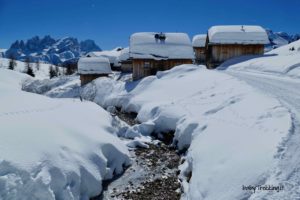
x=50, y=50
x=69, y=49
x=278, y=39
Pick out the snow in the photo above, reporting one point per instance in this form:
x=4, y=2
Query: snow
x=282, y=62
x=2, y=52
x=42, y=73
x=59, y=87
x=175, y=46
x=237, y=34
x=199, y=40
x=112, y=55
x=231, y=139
x=286, y=171
x=124, y=55
x=94, y=65
x=54, y=148
x=287, y=49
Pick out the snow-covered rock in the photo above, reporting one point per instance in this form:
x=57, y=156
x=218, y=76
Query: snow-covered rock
x=237, y=34
x=54, y=148
x=149, y=45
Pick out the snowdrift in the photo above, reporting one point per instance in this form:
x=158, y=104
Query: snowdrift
x=59, y=87
x=284, y=61
x=232, y=131
x=54, y=148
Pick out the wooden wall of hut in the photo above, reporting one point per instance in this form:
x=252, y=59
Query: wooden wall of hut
x=217, y=54
x=126, y=66
x=86, y=78
x=199, y=55
x=147, y=67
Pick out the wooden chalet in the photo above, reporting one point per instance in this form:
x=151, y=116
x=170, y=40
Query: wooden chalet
x=151, y=52
x=90, y=68
x=125, y=61
x=198, y=43
x=225, y=42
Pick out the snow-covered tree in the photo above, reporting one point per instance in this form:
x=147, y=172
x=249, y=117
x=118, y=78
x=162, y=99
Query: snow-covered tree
x=12, y=63
x=28, y=68
x=57, y=71
x=52, y=72
x=37, y=65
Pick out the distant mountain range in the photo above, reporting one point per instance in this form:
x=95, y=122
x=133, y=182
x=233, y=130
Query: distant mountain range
x=278, y=39
x=69, y=49
x=49, y=50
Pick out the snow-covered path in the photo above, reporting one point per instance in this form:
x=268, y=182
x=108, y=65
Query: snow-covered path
x=286, y=90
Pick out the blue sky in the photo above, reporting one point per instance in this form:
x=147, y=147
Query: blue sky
x=111, y=22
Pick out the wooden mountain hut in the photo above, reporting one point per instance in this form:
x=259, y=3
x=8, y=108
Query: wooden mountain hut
x=90, y=68
x=225, y=42
x=125, y=60
x=198, y=43
x=151, y=52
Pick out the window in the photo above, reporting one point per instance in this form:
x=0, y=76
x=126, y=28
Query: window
x=147, y=64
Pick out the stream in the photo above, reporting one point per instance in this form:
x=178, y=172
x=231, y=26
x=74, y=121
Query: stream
x=152, y=175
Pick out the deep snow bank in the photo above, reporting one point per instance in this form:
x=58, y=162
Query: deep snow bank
x=58, y=87
x=232, y=130
x=282, y=61
x=54, y=149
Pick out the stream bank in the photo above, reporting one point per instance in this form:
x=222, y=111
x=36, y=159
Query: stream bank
x=153, y=173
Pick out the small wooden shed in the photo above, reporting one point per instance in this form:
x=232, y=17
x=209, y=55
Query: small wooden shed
x=90, y=68
x=151, y=52
x=125, y=60
x=225, y=42
x=198, y=43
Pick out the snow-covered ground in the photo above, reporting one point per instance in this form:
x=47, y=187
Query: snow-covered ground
x=41, y=73
x=284, y=61
x=234, y=132
x=277, y=75
x=286, y=171
x=54, y=148
x=237, y=132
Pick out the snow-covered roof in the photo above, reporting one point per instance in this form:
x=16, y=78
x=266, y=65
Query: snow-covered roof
x=237, y=34
x=112, y=55
x=199, y=40
x=124, y=54
x=94, y=65
x=159, y=46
